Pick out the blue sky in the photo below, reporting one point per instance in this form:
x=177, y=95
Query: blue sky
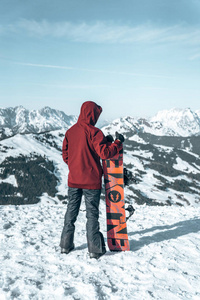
x=133, y=57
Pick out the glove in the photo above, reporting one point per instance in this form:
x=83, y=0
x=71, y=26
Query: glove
x=119, y=137
x=109, y=138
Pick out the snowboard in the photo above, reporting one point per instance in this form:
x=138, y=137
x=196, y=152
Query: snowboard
x=117, y=237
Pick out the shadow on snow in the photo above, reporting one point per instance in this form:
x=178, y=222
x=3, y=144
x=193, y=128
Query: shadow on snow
x=166, y=232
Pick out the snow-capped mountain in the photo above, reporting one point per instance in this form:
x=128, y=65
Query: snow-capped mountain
x=166, y=167
x=198, y=112
x=20, y=120
x=180, y=122
x=174, y=122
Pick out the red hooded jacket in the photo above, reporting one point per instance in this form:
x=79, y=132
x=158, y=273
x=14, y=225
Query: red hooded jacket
x=83, y=146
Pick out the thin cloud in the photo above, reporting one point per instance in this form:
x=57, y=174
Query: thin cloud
x=44, y=66
x=75, y=86
x=92, y=70
x=106, y=32
x=196, y=56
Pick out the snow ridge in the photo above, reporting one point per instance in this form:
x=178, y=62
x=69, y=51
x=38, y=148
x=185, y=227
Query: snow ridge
x=177, y=122
x=173, y=122
x=20, y=120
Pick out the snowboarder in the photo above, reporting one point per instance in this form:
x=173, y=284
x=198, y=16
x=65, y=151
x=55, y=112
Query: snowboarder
x=83, y=146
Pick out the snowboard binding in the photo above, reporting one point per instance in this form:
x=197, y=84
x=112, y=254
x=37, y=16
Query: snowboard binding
x=131, y=211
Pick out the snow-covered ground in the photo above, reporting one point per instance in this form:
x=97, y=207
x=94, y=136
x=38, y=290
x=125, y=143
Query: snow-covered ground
x=164, y=261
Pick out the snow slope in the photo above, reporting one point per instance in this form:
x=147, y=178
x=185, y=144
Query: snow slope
x=50, y=147
x=163, y=263
x=165, y=174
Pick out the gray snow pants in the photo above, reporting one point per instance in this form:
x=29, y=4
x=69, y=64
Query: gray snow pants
x=95, y=238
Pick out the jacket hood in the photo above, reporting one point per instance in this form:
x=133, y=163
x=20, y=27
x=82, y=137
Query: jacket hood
x=90, y=113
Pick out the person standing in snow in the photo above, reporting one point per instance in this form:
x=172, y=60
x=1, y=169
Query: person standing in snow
x=83, y=147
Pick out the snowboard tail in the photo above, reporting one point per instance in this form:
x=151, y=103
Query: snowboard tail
x=117, y=236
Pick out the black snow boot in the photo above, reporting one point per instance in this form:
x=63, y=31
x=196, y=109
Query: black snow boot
x=67, y=251
x=97, y=255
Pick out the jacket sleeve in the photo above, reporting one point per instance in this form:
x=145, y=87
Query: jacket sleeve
x=65, y=149
x=105, y=149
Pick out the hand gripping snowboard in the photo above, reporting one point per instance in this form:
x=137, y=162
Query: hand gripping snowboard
x=117, y=237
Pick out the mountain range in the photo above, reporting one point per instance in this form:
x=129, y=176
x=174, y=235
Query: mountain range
x=20, y=120
x=174, y=122
x=162, y=152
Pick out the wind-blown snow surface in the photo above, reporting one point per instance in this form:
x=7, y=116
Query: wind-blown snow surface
x=163, y=263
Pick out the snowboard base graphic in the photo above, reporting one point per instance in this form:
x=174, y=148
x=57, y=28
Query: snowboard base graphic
x=117, y=237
